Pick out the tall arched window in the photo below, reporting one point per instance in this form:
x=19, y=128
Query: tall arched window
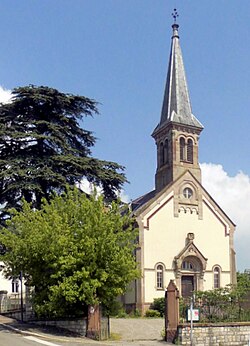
x=216, y=277
x=159, y=277
x=190, y=150
x=182, y=149
x=166, y=151
x=161, y=154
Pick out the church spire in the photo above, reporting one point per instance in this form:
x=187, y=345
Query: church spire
x=176, y=103
x=177, y=134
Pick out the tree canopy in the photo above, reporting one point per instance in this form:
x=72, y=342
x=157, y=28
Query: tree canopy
x=43, y=148
x=75, y=250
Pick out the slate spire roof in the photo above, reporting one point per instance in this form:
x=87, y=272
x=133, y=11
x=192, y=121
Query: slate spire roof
x=176, y=103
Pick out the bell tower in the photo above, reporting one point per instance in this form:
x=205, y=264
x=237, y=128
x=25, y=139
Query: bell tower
x=177, y=134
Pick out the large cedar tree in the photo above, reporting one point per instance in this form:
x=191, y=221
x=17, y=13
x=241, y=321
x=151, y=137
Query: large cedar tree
x=43, y=147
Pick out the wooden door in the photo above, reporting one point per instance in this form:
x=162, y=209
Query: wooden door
x=187, y=285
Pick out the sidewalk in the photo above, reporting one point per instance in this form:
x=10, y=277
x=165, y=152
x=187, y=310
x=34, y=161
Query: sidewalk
x=58, y=335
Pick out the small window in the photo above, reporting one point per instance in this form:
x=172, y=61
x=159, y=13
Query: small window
x=182, y=149
x=216, y=277
x=15, y=286
x=187, y=192
x=190, y=151
x=161, y=155
x=186, y=265
x=166, y=151
x=159, y=277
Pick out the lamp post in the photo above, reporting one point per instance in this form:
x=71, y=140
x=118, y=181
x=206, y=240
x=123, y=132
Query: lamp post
x=21, y=282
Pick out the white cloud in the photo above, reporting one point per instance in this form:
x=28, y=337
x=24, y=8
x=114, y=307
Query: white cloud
x=233, y=196
x=88, y=187
x=124, y=197
x=5, y=95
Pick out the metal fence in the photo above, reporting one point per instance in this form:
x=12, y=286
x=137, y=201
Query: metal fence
x=11, y=302
x=217, y=310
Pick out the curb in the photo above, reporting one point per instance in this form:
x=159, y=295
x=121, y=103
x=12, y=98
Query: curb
x=43, y=336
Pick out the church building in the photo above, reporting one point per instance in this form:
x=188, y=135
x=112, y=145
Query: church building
x=184, y=235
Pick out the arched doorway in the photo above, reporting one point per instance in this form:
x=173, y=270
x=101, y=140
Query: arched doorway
x=191, y=268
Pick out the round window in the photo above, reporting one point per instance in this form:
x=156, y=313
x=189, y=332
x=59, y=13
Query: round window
x=187, y=192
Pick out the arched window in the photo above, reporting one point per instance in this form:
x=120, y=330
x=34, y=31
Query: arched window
x=216, y=277
x=190, y=150
x=186, y=265
x=161, y=155
x=182, y=149
x=166, y=151
x=159, y=277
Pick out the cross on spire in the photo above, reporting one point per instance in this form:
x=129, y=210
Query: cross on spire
x=175, y=15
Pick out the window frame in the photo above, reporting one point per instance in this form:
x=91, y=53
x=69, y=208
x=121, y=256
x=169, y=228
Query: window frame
x=182, y=144
x=159, y=276
x=166, y=151
x=15, y=286
x=190, y=151
x=216, y=276
x=161, y=154
x=187, y=192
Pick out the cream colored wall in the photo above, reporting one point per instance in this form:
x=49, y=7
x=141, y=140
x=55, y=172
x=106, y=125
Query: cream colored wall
x=166, y=237
x=5, y=285
x=150, y=280
x=208, y=280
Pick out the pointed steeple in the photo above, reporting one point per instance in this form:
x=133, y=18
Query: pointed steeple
x=177, y=134
x=176, y=103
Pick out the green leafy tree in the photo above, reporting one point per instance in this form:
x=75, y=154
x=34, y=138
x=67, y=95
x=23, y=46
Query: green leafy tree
x=43, y=148
x=243, y=284
x=75, y=250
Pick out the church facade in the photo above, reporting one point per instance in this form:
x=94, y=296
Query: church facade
x=184, y=235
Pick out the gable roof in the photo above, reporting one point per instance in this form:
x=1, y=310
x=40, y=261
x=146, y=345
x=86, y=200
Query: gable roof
x=141, y=204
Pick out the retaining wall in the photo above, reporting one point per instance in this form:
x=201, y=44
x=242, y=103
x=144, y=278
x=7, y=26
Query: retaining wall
x=220, y=334
x=76, y=326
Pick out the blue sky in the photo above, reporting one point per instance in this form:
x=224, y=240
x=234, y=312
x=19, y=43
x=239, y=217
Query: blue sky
x=116, y=51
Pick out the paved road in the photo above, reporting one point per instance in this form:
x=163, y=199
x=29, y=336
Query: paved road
x=138, y=328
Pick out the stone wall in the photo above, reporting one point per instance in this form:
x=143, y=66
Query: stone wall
x=16, y=314
x=220, y=334
x=76, y=326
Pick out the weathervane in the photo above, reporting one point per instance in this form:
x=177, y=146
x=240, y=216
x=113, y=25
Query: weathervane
x=175, y=15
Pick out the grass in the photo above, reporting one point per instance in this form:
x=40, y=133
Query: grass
x=115, y=337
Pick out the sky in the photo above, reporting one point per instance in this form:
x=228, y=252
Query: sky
x=116, y=52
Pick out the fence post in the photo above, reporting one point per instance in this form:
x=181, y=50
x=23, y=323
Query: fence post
x=171, y=311
x=3, y=296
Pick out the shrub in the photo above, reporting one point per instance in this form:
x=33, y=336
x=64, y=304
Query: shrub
x=159, y=305
x=152, y=313
x=116, y=309
x=135, y=313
